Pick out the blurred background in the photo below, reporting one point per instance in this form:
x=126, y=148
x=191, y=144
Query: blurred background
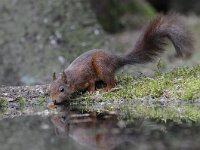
x=38, y=38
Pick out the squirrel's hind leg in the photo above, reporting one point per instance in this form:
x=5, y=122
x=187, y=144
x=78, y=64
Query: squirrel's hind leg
x=105, y=74
x=109, y=81
x=91, y=87
x=108, y=87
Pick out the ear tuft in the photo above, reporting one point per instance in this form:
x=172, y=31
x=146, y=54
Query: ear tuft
x=54, y=76
x=63, y=76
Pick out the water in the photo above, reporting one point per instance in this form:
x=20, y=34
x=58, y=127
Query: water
x=73, y=129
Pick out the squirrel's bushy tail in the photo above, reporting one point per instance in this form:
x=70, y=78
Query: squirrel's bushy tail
x=153, y=39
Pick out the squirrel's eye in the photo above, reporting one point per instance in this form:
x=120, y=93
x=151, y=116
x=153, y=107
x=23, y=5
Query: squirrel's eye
x=61, y=89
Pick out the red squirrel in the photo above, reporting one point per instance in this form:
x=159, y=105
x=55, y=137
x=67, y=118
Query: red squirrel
x=101, y=65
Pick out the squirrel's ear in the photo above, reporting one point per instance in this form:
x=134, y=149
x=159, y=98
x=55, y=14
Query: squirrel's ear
x=63, y=76
x=54, y=76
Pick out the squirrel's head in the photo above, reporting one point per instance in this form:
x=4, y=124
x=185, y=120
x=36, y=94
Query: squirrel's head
x=59, y=89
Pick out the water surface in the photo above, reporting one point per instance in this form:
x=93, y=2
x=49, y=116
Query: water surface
x=77, y=129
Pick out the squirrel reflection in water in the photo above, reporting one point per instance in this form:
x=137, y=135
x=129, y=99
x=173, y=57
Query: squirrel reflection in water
x=92, y=130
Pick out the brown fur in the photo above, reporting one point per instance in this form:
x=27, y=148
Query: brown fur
x=96, y=65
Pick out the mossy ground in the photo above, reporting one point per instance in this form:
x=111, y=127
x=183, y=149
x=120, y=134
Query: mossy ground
x=174, y=95
x=165, y=96
x=3, y=105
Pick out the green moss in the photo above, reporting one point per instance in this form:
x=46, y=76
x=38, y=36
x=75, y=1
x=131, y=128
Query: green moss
x=180, y=83
x=41, y=100
x=164, y=96
x=21, y=101
x=3, y=102
x=3, y=105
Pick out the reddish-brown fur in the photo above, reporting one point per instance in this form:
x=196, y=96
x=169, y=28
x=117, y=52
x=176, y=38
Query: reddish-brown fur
x=96, y=65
